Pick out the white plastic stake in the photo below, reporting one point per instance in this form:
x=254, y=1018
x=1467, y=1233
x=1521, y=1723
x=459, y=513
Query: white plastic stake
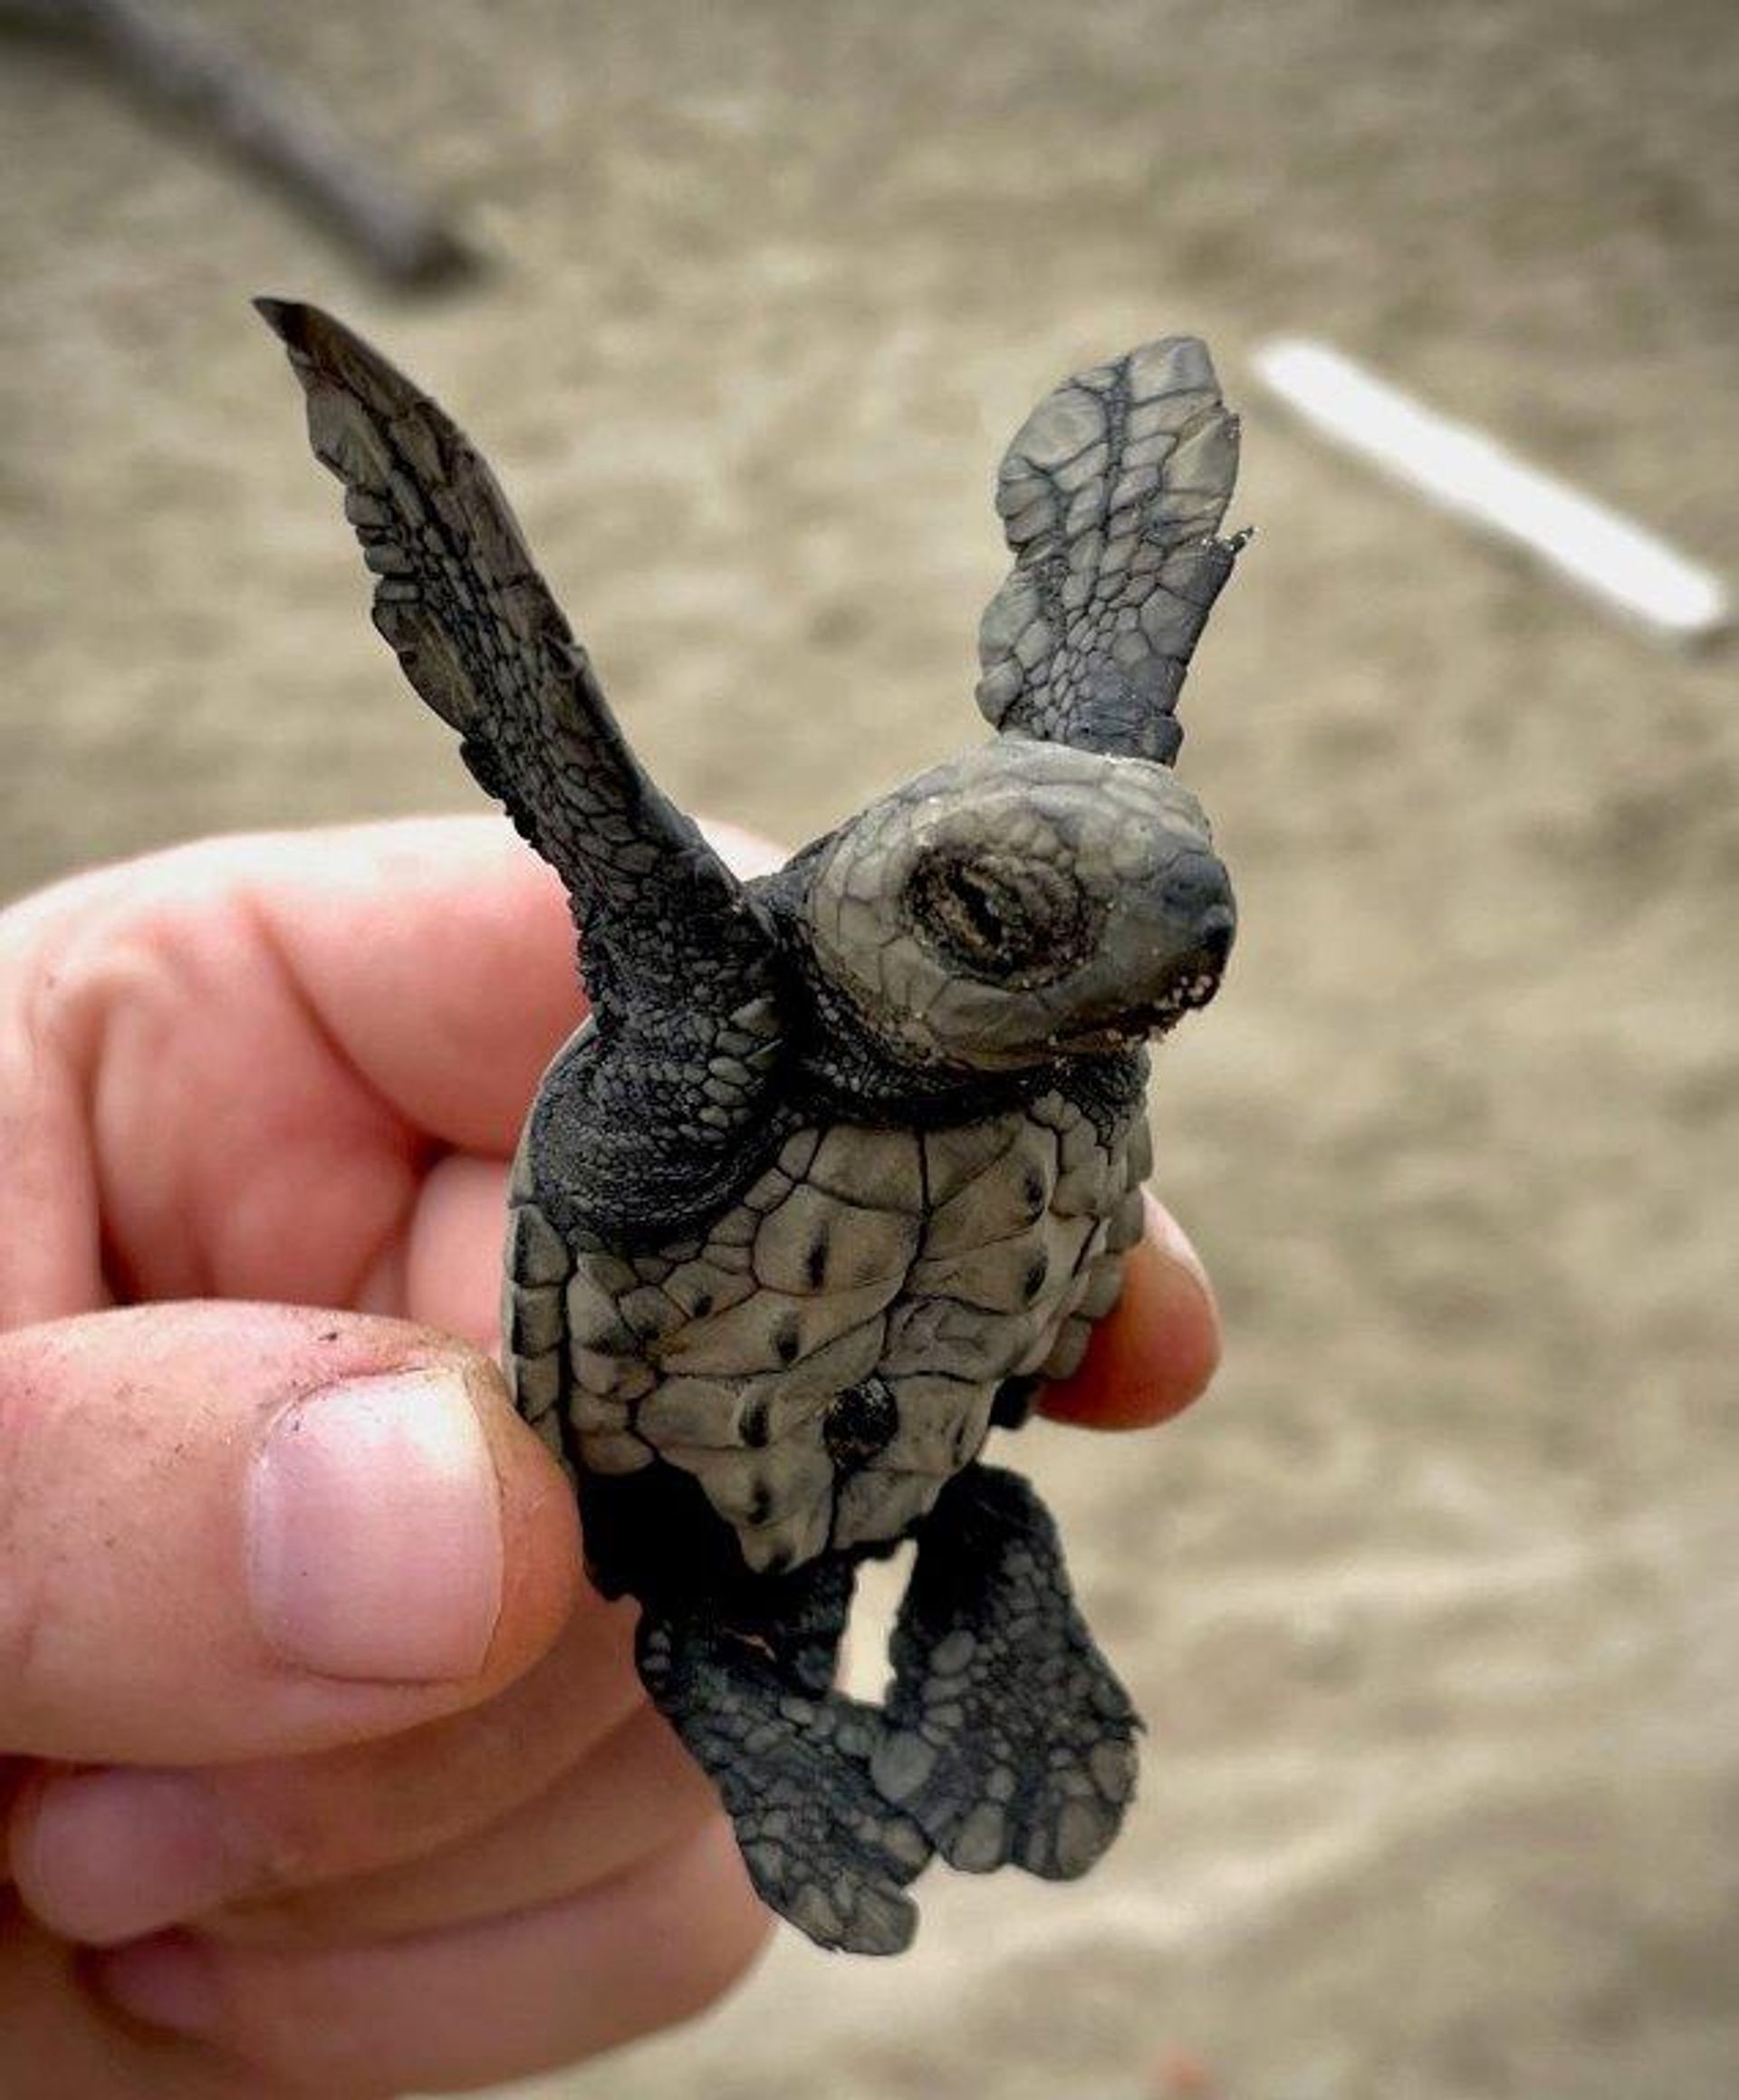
x=1607, y=554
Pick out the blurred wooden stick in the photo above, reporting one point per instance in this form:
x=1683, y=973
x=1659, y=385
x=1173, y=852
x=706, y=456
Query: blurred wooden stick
x=208, y=82
x=1629, y=569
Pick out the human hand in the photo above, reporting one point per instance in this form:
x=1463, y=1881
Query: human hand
x=309, y=1725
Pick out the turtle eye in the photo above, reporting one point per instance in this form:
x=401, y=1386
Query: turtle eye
x=1013, y=924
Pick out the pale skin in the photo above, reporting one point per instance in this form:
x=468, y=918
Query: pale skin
x=323, y=1768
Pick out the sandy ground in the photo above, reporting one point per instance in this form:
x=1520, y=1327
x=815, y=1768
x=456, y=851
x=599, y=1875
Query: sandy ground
x=1432, y=1605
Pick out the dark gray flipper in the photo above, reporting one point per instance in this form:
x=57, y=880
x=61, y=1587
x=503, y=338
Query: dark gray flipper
x=1007, y=1738
x=664, y=925
x=790, y=1759
x=1111, y=494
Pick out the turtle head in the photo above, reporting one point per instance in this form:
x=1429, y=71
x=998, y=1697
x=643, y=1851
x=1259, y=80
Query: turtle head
x=1026, y=903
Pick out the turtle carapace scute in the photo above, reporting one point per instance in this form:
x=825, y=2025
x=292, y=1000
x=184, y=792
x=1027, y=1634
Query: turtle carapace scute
x=843, y=1165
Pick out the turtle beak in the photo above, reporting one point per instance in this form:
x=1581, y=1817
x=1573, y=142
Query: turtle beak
x=1199, y=921
x=1167, y=956
x=1196, y=975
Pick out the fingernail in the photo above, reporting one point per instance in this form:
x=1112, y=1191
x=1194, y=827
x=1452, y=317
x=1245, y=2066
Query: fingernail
x=375, y=1546
x=170, y=1982
x=106, y=1857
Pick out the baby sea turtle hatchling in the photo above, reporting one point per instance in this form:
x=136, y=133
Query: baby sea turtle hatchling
x=843, y=1166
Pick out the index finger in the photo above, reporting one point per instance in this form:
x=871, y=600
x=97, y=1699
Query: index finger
x=439, y=955
x=435, y=955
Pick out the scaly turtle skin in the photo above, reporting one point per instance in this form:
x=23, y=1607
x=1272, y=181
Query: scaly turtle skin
x=843, y=1166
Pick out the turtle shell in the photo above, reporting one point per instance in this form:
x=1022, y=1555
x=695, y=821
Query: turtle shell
x=827, y=1354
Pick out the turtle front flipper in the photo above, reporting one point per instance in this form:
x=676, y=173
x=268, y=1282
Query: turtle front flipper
x=790, y=1757
x=1006, y=1736
x=664, y=925
x=1111, y=494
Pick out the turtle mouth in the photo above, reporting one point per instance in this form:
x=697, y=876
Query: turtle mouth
x=1192, y=985
x=1186, y=995
x=1197, y=977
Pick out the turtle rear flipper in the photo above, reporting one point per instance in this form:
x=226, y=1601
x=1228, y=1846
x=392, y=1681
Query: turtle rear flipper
x=1007, y=1738
x=790, y=1759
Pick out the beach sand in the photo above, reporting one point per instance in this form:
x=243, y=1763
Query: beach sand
x=1431, y=1604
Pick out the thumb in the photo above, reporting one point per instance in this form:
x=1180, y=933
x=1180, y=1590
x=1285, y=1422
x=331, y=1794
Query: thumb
x=236, y=1531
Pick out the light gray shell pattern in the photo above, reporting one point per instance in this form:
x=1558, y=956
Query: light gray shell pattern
x=923, y=1267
